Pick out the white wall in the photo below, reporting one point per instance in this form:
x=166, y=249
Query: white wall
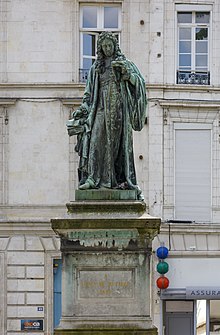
x=193, y=272
x=38, y=153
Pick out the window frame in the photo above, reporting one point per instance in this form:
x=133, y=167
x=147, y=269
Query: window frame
x=96, y=31
x=195, y=77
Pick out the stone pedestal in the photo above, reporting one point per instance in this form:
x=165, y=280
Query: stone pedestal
x=106, y=248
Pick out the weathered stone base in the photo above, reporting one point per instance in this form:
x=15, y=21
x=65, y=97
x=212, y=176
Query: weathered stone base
x=106, y=247
x=116, y=331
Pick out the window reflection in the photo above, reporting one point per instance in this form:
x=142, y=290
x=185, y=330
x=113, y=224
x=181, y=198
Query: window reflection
x=202, y=17
x=201, y=33
x=110, y=17
x=201, y=317
x=214, y=319
x=184, y=17
x=89, y=44
x=89, y=17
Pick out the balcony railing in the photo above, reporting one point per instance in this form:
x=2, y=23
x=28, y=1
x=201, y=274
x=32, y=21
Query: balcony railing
x=193, y=78
x=83, y=75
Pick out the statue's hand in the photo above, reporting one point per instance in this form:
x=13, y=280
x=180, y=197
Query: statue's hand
x=75, y=127
x=123, y=67
x=77, y=114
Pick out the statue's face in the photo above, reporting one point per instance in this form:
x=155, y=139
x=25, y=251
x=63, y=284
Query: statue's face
x=108, y=47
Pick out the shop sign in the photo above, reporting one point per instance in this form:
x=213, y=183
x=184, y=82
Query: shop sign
x=207, y=293
x=31, y=325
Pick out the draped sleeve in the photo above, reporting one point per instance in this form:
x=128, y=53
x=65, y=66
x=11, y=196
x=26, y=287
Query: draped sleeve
x=135, y=98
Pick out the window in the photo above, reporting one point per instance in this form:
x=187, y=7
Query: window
x=179, y=315
x=193, y=48
x=193, y=172
x=94, y=20
x=182, y=314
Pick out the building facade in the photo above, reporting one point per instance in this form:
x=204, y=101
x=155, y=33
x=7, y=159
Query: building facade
x=46, y=50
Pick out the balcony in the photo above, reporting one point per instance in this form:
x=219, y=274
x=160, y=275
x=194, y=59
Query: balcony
x=83, y=75
x=193, y=78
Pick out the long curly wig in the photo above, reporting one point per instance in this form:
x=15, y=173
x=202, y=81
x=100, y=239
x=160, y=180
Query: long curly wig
x=118, y=55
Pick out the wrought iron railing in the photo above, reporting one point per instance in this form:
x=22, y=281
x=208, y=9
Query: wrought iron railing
x=83, y=75
x=193, y=78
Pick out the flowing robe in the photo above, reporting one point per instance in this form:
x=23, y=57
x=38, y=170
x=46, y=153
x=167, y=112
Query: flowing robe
x=115, y=107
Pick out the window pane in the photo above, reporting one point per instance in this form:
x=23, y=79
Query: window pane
x=184, y=60
x=179, y=306
x=89, y=17
x=214, y=325
x=201, y=317
x=201, y=33
x=87, y=63
x=201, y=60
x=185, y=47
x=202, y=17
x=185, y=17
x=88, y=45
x=185, y=33
x=201, y=47
x=110, y=17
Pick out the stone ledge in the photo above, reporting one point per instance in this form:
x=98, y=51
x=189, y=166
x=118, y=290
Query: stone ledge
x=114, y=331
x=107, y=207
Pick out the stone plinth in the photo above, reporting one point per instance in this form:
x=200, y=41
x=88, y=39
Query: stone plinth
x=106, y=247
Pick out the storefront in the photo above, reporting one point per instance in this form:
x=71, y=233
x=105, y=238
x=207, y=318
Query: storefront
x=191, y=304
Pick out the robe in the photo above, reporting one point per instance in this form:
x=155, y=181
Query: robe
x=115, y=107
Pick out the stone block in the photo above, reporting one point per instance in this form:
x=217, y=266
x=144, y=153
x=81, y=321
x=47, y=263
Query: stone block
x=24, y=312
x=3, y=243
x=16, y=243
x=26, y=258
x=16, y=271
x=35, y=298
x=48, y=243
x=35, y=272
x=33, y=243
x=13, y=325
x=16, y=298
x=121, y=209
x=107, y=284
x=25, y=285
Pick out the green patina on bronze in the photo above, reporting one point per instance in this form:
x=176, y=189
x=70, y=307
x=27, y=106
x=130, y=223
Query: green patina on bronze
x=105, y=194
x=114, y=104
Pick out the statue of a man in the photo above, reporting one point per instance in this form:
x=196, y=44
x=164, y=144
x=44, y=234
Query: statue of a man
x=114, y=103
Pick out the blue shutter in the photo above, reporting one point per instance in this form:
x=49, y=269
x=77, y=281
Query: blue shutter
x=57, y=289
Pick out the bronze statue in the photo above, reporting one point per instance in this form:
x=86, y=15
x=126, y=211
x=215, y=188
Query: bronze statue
x=114, y=103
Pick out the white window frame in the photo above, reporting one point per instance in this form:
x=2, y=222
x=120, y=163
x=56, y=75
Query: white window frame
x=193, y=9
x=100, y=25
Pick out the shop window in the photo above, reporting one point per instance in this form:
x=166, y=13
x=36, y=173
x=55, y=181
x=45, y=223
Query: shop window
x=198, y=317
x=179, y=315
x=201, y=314
x=192, y=172
x=94, y=20
x=193, y=48
x=214, y=319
